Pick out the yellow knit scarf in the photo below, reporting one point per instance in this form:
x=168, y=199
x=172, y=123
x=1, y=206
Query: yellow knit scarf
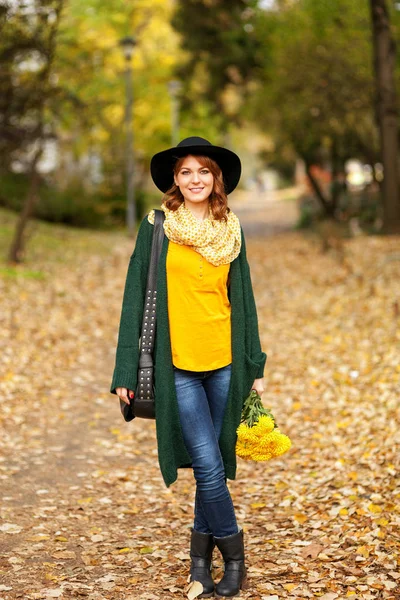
x=218, y=241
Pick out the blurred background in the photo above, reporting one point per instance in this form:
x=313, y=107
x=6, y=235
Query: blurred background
x=304, y=90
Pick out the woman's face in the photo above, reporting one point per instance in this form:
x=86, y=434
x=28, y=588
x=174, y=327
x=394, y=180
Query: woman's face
x=194, y=180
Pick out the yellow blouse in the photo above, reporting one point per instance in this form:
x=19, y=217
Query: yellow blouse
x=199, y=310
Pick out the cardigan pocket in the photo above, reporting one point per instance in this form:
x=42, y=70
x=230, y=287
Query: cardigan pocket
x=251, y=369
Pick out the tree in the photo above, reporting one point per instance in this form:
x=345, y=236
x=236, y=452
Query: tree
x=221, y=54
x=384, y=49
x=316, y=90
x=74, y=92
x=40, y=27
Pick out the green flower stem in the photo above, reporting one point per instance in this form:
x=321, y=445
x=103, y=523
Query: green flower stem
x=253, y=409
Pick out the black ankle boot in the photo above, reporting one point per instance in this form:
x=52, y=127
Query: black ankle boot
x=235, y=576
x=201, y=548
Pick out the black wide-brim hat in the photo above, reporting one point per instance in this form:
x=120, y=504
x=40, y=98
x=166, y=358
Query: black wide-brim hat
x=162, y=163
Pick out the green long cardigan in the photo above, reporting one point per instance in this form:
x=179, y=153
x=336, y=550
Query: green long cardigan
x=248, y=360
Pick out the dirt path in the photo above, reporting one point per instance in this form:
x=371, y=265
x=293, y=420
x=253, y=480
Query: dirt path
x=84, y=511
x=266, y=214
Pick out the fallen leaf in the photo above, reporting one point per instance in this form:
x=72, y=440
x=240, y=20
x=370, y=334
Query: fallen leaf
x=194, y=590
x=312, y=550
x=10, y=528
x=182, y=555
x=64, y=554
x=53, y=593
x=146, y=550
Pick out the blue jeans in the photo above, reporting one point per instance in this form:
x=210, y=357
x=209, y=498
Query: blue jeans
x=202, y=397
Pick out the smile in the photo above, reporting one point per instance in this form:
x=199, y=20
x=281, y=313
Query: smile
x=196, y=190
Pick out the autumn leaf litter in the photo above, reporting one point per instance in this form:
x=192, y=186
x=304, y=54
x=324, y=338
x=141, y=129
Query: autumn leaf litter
x=84, y=510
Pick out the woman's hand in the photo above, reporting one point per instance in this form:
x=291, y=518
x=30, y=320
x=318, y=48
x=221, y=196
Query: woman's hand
x=123, y=394
x=258, y=386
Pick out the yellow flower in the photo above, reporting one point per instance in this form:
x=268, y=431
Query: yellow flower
x=254, y=444
x=244, y=450
x=258, y=437
x=258, y=456
x=264, y=425
x=245, y=433
x=275, y=443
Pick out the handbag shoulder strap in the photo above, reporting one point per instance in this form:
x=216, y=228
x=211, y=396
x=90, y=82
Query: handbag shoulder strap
x=149, y=310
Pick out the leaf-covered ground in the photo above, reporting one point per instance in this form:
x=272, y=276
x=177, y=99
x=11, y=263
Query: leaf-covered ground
x=84, y=511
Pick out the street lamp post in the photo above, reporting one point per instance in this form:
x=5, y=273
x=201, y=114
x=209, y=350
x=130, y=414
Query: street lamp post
x=174, y=87
x=128, y=44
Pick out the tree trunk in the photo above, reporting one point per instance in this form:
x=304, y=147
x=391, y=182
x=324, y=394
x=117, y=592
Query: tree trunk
x=17, y=246
x=337, y=168
x=15, y=253
x=386, y=109
x=328, y=207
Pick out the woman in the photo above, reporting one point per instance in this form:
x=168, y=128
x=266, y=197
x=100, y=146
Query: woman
x=207, y=354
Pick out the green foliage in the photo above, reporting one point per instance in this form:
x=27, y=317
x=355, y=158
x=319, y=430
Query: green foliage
x=13, y=189
x=95, y=94
x=73, y=205
x=26, y=54
x=253, y=409
x=221, y=53
x=317, y=91
x=84, y=108
x=14, y=273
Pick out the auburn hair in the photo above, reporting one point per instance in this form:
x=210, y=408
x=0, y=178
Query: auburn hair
x=218, y=199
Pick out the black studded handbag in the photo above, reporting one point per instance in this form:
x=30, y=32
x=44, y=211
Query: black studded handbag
x=143, y=403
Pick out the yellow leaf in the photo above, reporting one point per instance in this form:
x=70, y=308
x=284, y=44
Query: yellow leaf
x=300, y=518
x=258, y=505
x=380, y=534
x=61, y=538
x=374, y=508
x=124, y=550
x=363, y=550
x=280, y=485
x=290, y=586
x=85, y=500
x=383, y=522
x=146, y=550
x=343, y=511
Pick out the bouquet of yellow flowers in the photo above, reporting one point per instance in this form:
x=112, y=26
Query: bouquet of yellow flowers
x=258, y=435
